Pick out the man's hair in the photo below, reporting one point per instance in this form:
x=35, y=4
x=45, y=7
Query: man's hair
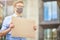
x=17, y=3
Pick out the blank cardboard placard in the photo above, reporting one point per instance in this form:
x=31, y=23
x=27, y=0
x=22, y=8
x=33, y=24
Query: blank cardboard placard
x=23, y=27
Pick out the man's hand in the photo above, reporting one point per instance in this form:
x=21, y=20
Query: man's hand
x=3, y=33
x=11, y=25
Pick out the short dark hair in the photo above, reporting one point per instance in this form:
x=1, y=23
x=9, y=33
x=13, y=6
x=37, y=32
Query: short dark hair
x=17, y=3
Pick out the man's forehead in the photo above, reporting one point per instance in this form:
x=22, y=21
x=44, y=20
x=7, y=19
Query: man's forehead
x=20, y=4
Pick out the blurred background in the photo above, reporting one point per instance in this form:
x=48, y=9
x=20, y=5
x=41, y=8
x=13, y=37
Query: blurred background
x=45, y=12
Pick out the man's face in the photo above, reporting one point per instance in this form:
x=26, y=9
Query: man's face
x=19, y=7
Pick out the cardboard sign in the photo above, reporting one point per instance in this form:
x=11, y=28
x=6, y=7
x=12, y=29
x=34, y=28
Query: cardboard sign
x=23, y=27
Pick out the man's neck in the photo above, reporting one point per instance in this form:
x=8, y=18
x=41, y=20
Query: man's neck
x=19, y=14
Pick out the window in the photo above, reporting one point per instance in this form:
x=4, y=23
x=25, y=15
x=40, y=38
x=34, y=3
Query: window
x=50, y=11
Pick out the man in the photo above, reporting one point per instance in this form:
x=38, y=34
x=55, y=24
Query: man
x=7, y=25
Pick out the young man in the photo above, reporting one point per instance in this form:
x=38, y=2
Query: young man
x=7, y=25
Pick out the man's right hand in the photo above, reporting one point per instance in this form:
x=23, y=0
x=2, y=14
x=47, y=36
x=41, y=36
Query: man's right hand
x=11, y=25
x=3, y=33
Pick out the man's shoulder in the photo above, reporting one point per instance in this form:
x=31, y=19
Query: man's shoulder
x=8, y=17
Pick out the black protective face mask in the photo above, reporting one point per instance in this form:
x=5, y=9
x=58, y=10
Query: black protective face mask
x=19, y=10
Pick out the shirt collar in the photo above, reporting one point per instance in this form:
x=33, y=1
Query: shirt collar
x=15, y=15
